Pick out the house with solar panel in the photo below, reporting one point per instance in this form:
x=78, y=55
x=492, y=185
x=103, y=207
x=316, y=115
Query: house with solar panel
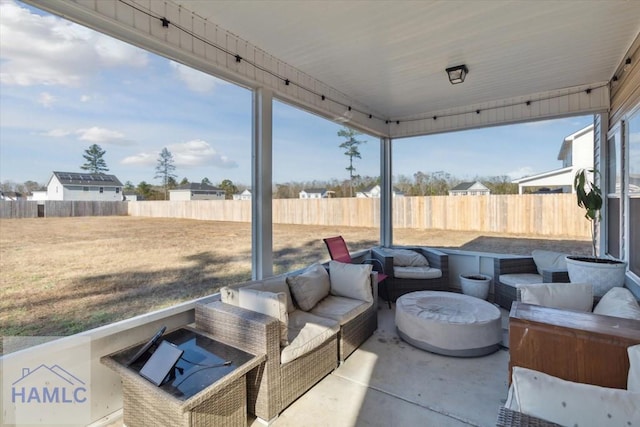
x=84, y=186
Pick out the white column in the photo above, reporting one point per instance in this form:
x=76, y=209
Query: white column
x=261, y=183
x=386, y=193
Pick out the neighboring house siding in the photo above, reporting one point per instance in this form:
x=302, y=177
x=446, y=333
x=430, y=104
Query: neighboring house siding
x=195, y=191
x=176, y=195
x=576, y=152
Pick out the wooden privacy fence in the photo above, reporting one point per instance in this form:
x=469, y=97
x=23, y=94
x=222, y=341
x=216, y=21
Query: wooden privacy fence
x=57, y=208
x=547, y=214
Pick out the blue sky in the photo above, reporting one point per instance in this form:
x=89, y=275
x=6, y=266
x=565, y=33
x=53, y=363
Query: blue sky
x=64, y=87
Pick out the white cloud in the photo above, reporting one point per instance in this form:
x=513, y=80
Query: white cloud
x=185, y=155
x=142, y=159
x=520, y=172
x=85, y=98
x=99, y=135
x=95, y=135
x=58, y=133
x=195, y=80
x=199, y=153
x=47, y=50
x=46, y=99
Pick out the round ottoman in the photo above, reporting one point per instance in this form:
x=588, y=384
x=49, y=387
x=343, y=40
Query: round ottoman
x=448, y=323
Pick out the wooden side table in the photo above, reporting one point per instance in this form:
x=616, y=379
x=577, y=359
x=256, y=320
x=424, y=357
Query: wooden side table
x=575, y=346
x=203, y=392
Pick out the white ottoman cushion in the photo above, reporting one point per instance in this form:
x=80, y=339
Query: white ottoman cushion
x=449, y=323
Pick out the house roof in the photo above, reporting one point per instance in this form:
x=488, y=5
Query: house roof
x=463, y=186
x=555, y=172
x=315, y=190
x=380, y=65
x=194, y=186
x=94, y=179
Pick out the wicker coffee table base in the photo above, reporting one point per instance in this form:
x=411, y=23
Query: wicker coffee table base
x=226, y=407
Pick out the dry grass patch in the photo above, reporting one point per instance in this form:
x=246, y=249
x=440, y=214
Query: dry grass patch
x=64, y=275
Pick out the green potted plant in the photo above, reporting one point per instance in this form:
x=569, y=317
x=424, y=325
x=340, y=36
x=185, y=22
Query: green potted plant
x=603, y=273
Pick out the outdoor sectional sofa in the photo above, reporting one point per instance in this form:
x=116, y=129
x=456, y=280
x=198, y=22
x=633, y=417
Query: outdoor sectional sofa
x=306, y=323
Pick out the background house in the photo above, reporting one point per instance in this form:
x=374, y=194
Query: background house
x=475, y=188
x=374, y=192
x=11, y=196
x=39, y=195
x=131, y=196
x=245, y=195
x=194, y=191
x=84, y=186
x=316, y=193
x=576, y=152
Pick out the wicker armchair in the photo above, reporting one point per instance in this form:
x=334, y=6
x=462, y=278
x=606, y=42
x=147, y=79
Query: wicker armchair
x=506, y=294
x=394, y=287
x=273, y=386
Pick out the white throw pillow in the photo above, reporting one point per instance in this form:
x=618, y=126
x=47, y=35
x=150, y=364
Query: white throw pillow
x=309, y=287
x=407, y=258
x=269, y=303
x=548, y=260
x=618, y=302
x=633, y=380
x=572, y=404
x=275, y=284
x=569, y=296
x=351, y=280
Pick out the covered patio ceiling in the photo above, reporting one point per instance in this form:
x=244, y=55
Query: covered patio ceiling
x=391, y=56
x=379, y=66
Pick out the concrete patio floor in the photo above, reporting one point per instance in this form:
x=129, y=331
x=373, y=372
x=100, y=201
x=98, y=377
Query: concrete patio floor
x=387, y=382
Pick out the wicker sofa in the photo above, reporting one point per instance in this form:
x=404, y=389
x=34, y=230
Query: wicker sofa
x=281, y=380
x=394, y=286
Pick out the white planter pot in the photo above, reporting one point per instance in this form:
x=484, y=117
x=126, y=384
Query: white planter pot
x=603, y=275
x=475, y=285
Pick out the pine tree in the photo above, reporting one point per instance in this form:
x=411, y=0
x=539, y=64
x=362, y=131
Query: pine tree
x=164, y=169
x=351, y=147
x=95, y=161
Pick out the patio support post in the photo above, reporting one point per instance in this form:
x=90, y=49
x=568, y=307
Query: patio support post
x=600, y=163
x=261, y=178
x=386, y=193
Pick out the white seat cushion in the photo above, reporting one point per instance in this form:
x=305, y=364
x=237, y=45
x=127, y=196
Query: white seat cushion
x=340, y=309
x=569, y=296
x=548, y=260
x=407, y=258
x=306, y=332
x=571, y=404
x=618, y=302
x=416, y=273
x=520, y=279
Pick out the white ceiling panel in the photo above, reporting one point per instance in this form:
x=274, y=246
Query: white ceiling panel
x=391, y=55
